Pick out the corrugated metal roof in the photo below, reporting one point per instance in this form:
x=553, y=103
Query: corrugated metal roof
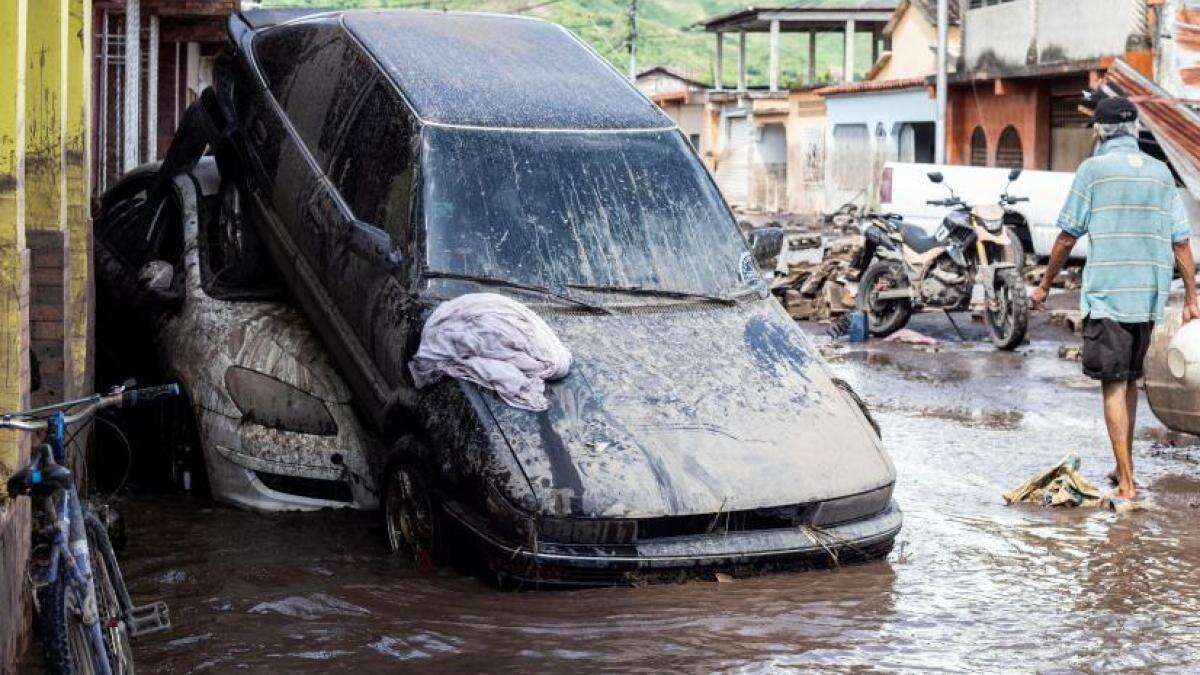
x=1174, y=124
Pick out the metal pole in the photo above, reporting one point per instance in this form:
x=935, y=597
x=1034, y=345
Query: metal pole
x=133, y=70
x=633, y=37
x=152, y=91
x=943, y=28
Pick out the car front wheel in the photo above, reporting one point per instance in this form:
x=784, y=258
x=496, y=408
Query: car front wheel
x=409, y=516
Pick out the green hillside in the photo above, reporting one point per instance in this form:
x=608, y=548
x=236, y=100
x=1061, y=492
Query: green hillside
x=667, y=36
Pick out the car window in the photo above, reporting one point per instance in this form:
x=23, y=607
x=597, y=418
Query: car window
x=373, y=168
x=317, y=74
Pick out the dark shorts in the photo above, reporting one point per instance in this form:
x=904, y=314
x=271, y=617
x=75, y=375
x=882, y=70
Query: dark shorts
x=1113, y=350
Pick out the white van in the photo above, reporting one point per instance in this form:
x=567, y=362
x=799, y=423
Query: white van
x=905, y=188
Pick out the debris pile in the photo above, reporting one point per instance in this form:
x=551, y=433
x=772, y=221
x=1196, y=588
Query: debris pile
x=1070, y=279
x=1071, y=319
x=819, y=291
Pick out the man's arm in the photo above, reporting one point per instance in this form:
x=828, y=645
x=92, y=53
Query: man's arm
x=1187, y=271
x=1058, y=257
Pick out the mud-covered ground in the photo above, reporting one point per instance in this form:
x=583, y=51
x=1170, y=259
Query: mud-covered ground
x=971, y=585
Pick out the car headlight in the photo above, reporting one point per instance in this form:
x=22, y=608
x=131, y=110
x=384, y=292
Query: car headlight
x=276, y=404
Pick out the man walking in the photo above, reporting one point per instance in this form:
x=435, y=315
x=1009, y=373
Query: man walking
x=1128, y=205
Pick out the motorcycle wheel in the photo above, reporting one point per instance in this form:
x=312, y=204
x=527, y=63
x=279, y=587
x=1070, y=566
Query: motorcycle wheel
x=884, y=317
x=1010, y=320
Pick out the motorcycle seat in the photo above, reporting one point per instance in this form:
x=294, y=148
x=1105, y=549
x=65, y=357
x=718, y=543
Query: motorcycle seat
x=916, y=238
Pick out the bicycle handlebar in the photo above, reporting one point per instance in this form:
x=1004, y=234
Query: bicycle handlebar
x=36, y=420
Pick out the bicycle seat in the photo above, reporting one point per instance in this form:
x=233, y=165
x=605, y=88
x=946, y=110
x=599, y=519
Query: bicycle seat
x=916, y=238
x=39, y=482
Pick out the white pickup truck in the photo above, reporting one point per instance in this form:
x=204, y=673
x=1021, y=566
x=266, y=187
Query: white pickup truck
x=905, y=188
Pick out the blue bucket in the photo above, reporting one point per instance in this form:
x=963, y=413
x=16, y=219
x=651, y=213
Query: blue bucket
x=859, y=328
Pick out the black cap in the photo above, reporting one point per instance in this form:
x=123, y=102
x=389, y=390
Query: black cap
x=1115, y=110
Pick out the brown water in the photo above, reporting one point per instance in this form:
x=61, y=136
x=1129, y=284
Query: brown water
x=972, y=584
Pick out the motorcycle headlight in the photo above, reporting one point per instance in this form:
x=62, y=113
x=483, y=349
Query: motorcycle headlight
x=276, y=404
x=992, y=217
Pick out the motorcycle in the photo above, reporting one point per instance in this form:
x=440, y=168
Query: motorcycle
x=902, y=269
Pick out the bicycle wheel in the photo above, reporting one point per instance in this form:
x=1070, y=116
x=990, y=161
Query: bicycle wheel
x=65, y=642
x=109, y=586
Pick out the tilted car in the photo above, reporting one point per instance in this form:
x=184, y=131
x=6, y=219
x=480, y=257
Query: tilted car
x=391, y=160
x=266, y=406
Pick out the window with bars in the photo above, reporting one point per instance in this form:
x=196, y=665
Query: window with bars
x=979, y=150
x=1009, y=154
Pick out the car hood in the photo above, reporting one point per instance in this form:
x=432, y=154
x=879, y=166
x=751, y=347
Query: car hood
x=686, y=410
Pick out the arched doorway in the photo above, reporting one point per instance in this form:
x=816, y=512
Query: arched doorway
x=979, y=153
x=1009, y=154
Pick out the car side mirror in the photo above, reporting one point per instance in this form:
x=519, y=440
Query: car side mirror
x=935, y=176
x=1014, y=174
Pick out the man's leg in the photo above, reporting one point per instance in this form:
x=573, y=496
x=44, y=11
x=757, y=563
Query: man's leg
x=1120, y=401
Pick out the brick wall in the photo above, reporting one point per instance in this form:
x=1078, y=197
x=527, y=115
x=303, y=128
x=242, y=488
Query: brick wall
x=47, y=251
x=1023, y=104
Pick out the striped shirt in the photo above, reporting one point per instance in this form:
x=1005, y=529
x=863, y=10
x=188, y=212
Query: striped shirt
x=1128, y=205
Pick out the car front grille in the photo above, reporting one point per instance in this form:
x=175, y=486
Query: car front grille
x=618, y=532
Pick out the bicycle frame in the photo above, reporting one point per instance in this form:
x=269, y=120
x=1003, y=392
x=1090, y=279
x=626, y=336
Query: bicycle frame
x=69, y=551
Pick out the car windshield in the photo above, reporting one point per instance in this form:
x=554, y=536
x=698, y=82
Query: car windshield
x=590, y=210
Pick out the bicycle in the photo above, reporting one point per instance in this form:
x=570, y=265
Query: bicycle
x=88, y=618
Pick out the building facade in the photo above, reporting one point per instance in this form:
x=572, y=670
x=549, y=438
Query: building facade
x=767, y=144
x=681, y=98
x=891, y=115
x=1015, y=100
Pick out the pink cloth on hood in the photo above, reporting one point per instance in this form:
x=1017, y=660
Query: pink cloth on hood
x=494, y=342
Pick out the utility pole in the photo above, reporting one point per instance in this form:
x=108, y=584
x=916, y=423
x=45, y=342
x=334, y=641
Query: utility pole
x=943, y=30
x=633, y=36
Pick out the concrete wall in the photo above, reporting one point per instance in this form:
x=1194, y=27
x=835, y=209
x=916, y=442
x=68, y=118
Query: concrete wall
x=1015, y=34
x=852, y=173
x=44, y=148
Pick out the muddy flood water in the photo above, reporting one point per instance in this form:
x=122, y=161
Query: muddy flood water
x=971, y=585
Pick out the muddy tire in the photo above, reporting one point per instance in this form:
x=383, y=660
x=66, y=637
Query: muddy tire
x=1008, y=316
x=109, y=586
x=410, y=517
x=884, y=317
x=65, y=642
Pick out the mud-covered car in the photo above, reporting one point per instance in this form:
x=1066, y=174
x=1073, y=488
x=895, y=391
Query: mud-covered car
x=263, y=402
x=393, y=160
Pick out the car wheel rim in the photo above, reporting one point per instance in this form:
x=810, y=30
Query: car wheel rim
x=409, y=518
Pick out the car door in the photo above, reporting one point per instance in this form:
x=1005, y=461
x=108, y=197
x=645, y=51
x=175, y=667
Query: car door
x=373, y=172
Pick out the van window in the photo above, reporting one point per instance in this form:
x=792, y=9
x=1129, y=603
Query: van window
x=373, y=168
x=614, y=209
x=317, y=75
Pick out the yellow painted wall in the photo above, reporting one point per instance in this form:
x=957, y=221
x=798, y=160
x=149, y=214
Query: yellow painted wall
x=76, y=175
x=14, y=278
x=43, y=116
x=912, y=53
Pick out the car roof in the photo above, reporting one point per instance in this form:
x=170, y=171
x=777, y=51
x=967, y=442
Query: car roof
x=497, y=71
